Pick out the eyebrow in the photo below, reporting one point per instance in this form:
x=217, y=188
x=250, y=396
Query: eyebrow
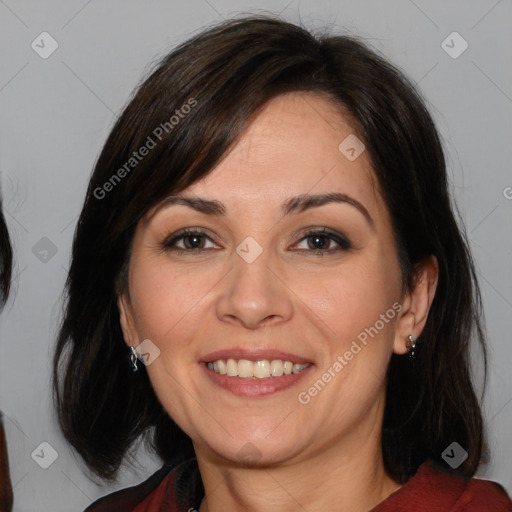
x=292, y=205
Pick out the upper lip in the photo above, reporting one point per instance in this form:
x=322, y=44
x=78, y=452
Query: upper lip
x=253, y=354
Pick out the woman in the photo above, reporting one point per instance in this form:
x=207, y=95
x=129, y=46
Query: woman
x=266, y=235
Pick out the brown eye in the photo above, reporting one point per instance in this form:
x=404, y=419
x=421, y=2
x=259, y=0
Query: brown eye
x=188, y=241
x=193, y=241
x=322, y=241
x=319, y=242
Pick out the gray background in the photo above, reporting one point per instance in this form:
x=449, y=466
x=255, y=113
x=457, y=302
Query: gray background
x=57, y=112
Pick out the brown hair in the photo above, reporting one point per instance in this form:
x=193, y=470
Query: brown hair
x=231, y=71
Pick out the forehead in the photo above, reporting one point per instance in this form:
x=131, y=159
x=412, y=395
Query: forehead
x=292, y=147
x=297, y=144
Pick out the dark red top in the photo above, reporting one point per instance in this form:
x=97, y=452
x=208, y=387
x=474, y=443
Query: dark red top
x=179, y=489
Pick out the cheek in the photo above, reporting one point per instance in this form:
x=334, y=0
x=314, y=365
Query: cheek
x=169, y=307
x=352, y=297
x=358, y=305
x=166, y=299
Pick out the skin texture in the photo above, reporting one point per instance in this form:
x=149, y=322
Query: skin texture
x=290, y=299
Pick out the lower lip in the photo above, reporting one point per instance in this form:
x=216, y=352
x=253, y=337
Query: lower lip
x=255, y=387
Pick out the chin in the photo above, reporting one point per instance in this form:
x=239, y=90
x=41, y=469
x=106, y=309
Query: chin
x=253, y=450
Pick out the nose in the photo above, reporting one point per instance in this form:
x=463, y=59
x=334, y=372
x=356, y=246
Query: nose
x=254, y=294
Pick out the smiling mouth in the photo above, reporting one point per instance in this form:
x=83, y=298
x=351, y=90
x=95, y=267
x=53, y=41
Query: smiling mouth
x=260, y=369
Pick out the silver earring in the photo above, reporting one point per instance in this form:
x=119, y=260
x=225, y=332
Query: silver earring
x=133, y=359
x=411, y=345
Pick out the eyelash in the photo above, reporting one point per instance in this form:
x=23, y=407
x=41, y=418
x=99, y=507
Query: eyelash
x=343, y=242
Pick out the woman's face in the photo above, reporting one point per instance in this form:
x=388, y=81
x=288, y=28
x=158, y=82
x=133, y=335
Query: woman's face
x=260, y=278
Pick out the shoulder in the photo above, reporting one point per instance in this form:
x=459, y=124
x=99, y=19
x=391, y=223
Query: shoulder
x=434, y=490
x=159, y=492
x=484, y=495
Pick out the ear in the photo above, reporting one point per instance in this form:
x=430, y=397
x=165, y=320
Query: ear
x=416, y=304
x=127, y=320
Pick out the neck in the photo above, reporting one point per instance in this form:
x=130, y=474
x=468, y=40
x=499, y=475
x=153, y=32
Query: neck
x=348, y=475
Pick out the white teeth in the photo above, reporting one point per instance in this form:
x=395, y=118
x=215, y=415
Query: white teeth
x=222, y=367
x=231, y=367
x=262, y=369
x=245, y=368
x=277, y=368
